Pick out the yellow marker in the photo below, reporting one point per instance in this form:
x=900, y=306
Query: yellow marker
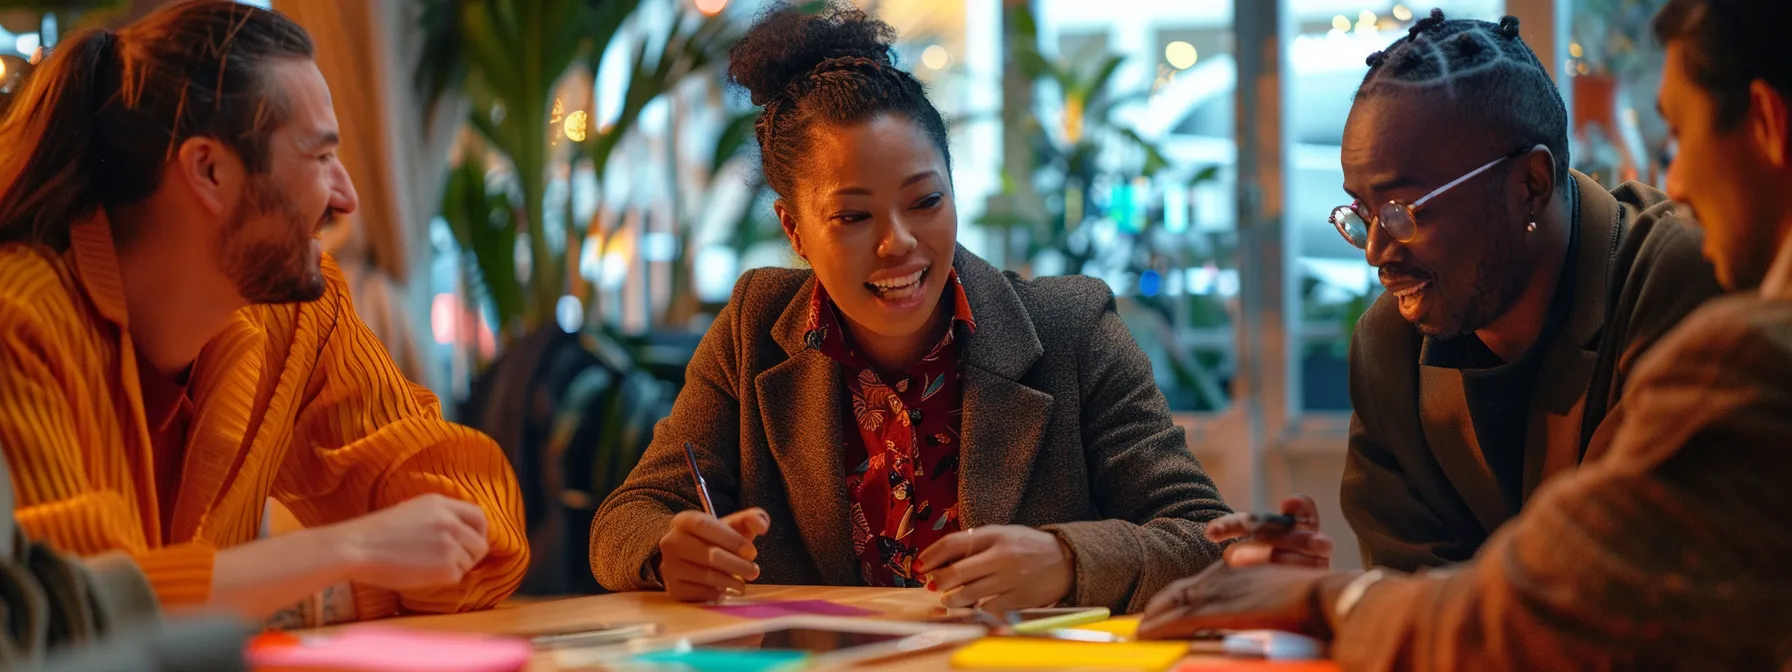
x=1040, y=626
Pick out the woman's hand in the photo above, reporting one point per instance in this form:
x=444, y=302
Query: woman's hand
x=1263, y=543
x=703, y=558
x=1001, y=567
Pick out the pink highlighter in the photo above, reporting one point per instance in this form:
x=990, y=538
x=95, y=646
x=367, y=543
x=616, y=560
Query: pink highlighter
x=373, y=648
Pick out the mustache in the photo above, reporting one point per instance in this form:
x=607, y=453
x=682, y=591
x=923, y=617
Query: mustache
x=1392, y=273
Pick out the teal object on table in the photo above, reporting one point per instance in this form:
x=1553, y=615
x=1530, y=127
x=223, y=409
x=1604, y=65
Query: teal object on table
x=725, y=660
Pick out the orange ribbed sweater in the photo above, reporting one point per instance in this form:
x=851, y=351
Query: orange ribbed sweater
x=297, y=402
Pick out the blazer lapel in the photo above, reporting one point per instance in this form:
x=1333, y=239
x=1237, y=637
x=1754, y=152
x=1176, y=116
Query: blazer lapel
x=1450, y=431
x=802, y=406
x=1004, y=419
x=225, y=392
x=1553, y=437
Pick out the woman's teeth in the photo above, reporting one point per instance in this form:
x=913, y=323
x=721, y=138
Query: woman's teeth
x=898, y=288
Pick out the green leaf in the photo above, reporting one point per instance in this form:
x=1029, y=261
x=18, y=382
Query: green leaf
x=1095, y=87
x=1020, y=17
x=1154, y=157
x=1097, y=112
x=605, y=19
x=736, y=135
x=1032, y=63
x=443, y=66
x=1207, y=174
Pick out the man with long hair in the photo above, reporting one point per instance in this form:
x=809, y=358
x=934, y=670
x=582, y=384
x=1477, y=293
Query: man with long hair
x=175, y=349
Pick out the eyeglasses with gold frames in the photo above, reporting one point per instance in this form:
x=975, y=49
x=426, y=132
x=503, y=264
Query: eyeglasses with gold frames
x=1400, y=220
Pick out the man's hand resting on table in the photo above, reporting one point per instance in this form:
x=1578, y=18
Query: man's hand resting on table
x=425, y=542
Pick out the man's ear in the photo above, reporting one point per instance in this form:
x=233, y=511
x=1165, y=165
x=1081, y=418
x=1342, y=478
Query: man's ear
x=210, y=172
x=1539, y=178
x=1767, y=123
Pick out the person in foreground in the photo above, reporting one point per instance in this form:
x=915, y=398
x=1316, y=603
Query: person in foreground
x=903, y=414
x=1520, y=294
x=1670, y=550
x=175, y=349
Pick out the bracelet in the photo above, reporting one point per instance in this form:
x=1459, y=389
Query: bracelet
x=1353, y=592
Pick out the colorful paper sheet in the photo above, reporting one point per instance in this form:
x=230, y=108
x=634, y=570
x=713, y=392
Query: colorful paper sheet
x=371, y=648
x=1031, y=653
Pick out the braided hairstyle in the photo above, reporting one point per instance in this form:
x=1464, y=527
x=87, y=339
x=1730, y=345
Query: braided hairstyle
x=1487, y=71
x=832, y=66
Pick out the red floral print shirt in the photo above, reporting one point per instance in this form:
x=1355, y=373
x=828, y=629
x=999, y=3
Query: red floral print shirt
x=902, y=472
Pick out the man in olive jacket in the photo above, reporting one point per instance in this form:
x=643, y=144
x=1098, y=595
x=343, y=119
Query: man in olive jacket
x=1520, y=293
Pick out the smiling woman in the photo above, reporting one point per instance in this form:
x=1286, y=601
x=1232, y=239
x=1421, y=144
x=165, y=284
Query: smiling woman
x=903, y=414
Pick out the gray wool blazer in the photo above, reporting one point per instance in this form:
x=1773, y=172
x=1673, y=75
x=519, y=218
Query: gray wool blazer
x=1064, y=429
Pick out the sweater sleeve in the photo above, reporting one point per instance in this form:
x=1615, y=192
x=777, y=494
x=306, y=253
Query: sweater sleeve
x=1669, y=552
x=1153, y=494
x=48, y=447
x=367, y=439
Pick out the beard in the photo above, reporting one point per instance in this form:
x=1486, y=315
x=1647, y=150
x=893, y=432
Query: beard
x=269, y=251
x=1494, y=283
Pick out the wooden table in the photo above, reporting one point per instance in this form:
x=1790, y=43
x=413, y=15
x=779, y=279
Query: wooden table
x=678, y=618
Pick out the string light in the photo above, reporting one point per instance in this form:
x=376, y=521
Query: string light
x=935, y=57
x=1341, y=22
x=1365, y=22
x=1575, y=50
x=574, y=126
x=711, y=7
x=1401, y=13
x=1181, y=55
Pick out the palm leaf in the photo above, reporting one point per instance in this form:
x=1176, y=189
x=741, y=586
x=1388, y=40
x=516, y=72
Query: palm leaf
x=1020, y=17
x=1098, y=111
x=1207, y=174
x=734, y=137
x=605, y=20
x=1154, y=157
x=1092, y=89
x=487, y=237
x=443, y=67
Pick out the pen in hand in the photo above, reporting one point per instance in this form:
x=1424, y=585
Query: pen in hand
x=709, y=505
x=690, y=459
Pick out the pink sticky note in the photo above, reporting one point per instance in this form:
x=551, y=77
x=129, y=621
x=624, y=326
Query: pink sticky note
x=383, y=649
x=791, y=608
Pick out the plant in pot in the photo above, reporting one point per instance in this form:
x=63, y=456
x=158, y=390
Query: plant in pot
x=573, y=408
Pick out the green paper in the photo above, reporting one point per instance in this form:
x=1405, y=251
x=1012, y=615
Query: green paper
x=726, y=660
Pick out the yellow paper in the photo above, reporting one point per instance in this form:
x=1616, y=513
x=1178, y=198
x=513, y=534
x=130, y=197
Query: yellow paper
x=1017, y=652
x=1125, y=628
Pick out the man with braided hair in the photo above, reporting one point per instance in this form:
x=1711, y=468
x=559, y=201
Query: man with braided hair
x=1668, y=548
x=1520, y=295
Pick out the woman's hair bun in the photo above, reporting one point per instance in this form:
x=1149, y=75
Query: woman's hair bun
x=788, y=41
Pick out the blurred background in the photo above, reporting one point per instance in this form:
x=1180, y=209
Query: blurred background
x=558, y=195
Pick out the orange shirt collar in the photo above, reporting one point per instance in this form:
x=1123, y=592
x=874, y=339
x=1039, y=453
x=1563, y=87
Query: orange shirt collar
x=94, y=257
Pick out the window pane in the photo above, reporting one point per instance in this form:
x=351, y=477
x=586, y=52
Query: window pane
x=1161, y=236
x=1614, y=69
